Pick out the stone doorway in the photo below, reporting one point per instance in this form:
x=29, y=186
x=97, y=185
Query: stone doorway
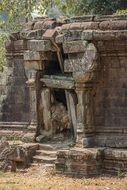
x=57, y=109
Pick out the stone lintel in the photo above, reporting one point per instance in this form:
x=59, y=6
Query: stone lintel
x=58, y=83
x=40, y=45
x=75, y=46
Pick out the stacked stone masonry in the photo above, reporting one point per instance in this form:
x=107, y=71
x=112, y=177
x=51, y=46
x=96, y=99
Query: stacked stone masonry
x=73, y=66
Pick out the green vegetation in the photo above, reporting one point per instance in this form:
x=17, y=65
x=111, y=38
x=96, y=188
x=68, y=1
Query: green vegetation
x=100, y=7
x=121, y=12
x=14, y=13
x=3, y=38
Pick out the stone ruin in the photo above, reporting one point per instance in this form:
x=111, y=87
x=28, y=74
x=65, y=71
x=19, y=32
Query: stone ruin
x=66, y=79
x=13, y=156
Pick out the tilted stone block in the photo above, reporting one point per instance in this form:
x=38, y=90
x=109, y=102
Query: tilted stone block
x=50, y=34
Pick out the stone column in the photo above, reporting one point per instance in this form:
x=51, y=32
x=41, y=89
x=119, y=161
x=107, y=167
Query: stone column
x=88, y=139
x=33, y=63
x=80, y=113
x=46, y=107
x=85, y=130
x=71, y=106
x=33, y=98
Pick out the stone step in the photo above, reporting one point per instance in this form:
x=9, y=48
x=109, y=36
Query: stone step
x=46, y=153
x=44, y=159
x=46, y=147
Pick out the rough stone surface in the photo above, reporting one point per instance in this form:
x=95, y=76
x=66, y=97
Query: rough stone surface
x=78, y=162
x=29, y=138
x=11, y=155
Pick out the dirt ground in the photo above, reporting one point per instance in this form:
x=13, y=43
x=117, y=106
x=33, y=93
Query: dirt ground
x=38, y=178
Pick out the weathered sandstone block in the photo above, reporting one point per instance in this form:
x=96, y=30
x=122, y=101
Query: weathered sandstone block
x=39, y=45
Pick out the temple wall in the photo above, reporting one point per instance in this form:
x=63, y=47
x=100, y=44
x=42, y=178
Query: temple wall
x=15, y=95
x=110, y=100
x=111, y=94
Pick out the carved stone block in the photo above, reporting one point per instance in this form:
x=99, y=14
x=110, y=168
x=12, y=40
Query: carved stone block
x=34, y=56
x=75, y=46
x=39, y=45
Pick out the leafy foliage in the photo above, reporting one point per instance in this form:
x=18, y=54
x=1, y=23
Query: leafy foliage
x=121, y=12
x=3, y=38
x=16, y=12
x=102, y=7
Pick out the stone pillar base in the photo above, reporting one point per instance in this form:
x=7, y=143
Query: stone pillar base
x=78, y=162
